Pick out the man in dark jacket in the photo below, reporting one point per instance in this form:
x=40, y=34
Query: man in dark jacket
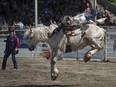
x=12, y=44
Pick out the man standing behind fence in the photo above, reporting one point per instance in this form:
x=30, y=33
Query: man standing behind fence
x=12, y=44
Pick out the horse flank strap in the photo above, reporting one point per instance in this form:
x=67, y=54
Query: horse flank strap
x=69, y=31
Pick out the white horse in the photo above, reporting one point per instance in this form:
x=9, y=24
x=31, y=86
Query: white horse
x=94, y=37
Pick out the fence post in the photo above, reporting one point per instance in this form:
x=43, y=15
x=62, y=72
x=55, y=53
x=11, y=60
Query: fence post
x=106, y=46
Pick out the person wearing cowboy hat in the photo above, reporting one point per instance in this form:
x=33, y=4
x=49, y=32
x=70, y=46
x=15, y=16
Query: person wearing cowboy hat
x=12, y=44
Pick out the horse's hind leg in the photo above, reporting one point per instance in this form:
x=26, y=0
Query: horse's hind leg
x=98, y=44
x=89, y=54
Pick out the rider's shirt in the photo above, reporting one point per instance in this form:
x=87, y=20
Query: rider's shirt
x=88, y=16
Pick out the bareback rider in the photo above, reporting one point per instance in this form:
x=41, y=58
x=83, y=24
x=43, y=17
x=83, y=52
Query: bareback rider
x=89, y=15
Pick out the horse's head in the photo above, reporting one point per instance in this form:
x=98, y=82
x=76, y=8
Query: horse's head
x=32, y=42
x=39, y=34
x=68, y=21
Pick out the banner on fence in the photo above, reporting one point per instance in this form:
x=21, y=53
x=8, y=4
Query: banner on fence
x=23, y=42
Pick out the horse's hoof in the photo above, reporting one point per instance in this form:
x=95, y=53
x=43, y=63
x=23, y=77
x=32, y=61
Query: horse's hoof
x=53, y=77
x=86, y=60
x=105, y=60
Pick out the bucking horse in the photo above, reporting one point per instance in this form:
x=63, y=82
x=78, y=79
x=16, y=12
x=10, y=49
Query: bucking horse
x=93, y=37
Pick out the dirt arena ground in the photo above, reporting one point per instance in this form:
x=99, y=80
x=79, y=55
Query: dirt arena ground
x=35, y=72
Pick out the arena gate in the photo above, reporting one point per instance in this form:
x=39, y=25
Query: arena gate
x=110, y=47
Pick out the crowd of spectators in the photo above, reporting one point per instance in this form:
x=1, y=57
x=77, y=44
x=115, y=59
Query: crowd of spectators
x=23, y=11
x=104, y=12
x=16, y=11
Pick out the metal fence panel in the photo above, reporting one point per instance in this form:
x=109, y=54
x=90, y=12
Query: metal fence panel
x=111, y=44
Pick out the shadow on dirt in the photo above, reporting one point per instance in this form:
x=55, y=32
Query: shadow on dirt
x=43, y=86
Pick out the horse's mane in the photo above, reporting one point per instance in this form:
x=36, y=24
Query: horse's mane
x=41, y=32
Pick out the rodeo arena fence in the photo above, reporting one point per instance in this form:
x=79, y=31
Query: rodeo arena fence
x=108, y=53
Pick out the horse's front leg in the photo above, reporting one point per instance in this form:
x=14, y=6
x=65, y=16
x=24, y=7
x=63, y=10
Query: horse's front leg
x=55, y=58
x=54, y=70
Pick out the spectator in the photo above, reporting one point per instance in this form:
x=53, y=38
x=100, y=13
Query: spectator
x=12, y=44
x=88, y=3
x=50, y=9
x=107, y=15
x=20, y=25
x=5, y=25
